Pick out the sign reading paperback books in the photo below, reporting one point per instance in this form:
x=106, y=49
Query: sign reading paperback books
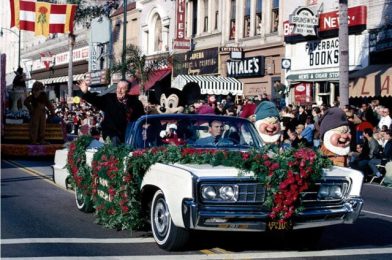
x=180, y=43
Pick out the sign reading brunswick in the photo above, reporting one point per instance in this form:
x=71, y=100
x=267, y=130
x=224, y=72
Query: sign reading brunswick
x=304, y=21
x=246, y=67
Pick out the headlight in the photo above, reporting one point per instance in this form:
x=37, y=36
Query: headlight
x=219, y=193
x=330, y=192
x=227, y=193
x=208, y=192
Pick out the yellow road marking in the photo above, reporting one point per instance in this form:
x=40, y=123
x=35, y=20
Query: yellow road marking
x=207, y=252
x=35, y=173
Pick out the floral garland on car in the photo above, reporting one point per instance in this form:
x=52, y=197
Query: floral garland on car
x=116, y=182
x=76, y=164
x=116, y=196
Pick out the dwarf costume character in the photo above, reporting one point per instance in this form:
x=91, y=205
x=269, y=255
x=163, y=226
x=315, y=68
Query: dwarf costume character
x=268, y=122
x=335, y=133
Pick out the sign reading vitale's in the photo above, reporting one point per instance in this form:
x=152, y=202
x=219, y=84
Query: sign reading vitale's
x=246, y=67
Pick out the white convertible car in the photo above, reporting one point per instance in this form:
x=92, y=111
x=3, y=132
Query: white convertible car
x=186, y=197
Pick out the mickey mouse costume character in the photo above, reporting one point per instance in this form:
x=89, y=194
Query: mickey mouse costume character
x=335, y=133
x=268, y=122
x=173, y=101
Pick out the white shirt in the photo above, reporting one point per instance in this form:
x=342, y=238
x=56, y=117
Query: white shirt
x=385, y=120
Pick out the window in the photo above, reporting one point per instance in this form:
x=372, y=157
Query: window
x=205, y=16
x=158, y=34
x=216, y=14
x=259, y=10
x=275, y=16
x=232, y=20
x=247, y=19
x=194, y=15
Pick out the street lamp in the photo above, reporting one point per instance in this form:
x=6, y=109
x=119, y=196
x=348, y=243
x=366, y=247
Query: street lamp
x=18, y=35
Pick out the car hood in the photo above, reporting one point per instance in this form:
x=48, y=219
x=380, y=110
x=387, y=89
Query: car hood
x=206, y=170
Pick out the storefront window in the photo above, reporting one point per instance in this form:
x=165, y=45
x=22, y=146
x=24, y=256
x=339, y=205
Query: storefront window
x=232, y=20
x=259, y=8
x=275, y=16
x=247, y=19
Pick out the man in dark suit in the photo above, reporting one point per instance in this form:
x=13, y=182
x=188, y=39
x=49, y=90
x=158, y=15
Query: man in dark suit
x=215, y=128
x=119, y=109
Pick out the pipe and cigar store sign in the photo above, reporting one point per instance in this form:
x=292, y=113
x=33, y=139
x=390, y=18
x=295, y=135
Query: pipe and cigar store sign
x=180, y=43
x=246, y=67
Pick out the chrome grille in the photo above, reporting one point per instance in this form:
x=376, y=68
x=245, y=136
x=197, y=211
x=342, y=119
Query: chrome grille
x=251, y=192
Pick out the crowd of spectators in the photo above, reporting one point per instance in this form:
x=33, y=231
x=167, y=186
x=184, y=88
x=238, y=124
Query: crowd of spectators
x=370, y=125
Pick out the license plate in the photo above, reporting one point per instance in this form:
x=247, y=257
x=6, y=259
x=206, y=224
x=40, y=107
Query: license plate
x=275, y=225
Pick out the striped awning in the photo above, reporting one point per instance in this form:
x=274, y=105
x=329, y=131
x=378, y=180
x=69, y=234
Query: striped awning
x=62, y=79
x=211, y=84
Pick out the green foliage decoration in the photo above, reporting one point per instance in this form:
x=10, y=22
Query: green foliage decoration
x=117, y=175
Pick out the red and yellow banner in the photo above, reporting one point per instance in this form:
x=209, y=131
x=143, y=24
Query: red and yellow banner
x=41, y=17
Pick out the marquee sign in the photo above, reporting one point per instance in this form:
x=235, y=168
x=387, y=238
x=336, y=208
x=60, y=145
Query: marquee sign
x=304, y=21
x=180, y=43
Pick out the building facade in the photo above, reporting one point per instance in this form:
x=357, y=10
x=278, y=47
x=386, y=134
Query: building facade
x=312, y=46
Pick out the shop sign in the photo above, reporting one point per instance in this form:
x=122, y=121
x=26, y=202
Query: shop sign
x=380, y=39
x=319, y=54
x=318, y=76
x=231, y=49
x=63, y=58
x=357, y=16
x=180, y=42
x=303, y=93
x=304, y=21
x=97, y=77
x=198, y=62
x=247, y=67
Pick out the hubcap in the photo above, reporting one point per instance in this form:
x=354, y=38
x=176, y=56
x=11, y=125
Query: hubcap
x=161, y=217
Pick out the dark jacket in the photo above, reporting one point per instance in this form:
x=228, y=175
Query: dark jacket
x=387, y=153
x=116, y=114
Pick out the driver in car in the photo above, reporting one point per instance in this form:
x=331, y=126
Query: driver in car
x=215, y=128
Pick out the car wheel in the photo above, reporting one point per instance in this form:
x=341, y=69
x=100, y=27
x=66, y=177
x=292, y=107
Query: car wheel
x=83, y=203
x=166, y=234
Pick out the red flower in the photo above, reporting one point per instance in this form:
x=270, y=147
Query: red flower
x=274, y=166
x=245, y=156
x=267, y=163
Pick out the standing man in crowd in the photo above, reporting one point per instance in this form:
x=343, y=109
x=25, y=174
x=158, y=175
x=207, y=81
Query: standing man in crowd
x=119, y=109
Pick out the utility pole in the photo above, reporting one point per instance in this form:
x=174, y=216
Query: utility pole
x=71, y=43
x=124, y=47
x=343, y=53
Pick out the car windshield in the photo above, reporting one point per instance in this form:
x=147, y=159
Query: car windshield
x=194, y=131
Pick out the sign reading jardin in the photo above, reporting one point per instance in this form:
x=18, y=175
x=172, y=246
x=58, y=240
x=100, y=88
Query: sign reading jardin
x=304, y=21
x=246, y=67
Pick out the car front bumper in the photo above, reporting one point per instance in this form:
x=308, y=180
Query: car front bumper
x=232, y=219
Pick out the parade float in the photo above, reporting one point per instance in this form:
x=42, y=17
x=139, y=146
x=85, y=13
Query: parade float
x=15, y=135
x=173, y=186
